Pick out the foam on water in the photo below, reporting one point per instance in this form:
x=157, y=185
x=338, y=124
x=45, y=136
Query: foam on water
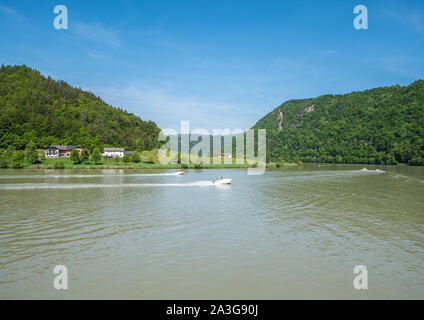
x=25, y=186
x=59, y=176
x=370, y=171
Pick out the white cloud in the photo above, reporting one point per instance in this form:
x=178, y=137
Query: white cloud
x=96, y=32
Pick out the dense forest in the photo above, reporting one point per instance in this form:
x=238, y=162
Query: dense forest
x=378, y=126
x=45, y=111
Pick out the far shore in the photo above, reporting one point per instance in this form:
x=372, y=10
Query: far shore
x=67, y=164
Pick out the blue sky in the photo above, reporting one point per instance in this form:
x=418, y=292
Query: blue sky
x=219, y=64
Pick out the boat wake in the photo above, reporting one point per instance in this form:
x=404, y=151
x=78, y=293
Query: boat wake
x=371, y=171
x=60, y=176
x=28, y=186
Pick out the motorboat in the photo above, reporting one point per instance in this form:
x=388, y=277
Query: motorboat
x=178, y=173
x=222, y=181
x=364, y=169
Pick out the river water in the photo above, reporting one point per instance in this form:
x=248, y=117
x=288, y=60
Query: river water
x=146, y=234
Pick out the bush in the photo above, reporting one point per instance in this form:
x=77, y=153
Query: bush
x=96, y=156
x=151, y=158
x=126, y=158
x=9, y=152
x=31, y=154
x=75, y=158
x=17, y=160
x=41, y=157
x=135, y=157
x=417, y=161
x=3, y=161
x=85, y=156
x=59, y=165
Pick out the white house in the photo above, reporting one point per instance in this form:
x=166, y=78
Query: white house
x=52, y=152
x=113, y=152
x=61, y=151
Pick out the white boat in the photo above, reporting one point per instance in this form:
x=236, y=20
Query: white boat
x=223, y=181
x=178, y=173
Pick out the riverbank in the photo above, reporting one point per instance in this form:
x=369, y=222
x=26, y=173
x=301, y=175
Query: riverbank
x=111, y=164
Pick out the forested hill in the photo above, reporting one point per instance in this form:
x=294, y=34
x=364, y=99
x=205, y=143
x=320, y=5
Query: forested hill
x=381, y=126
x=45, y=111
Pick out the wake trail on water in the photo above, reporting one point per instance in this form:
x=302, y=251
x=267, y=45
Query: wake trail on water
x=83, y=186
x=58, y=176
x=329, y=174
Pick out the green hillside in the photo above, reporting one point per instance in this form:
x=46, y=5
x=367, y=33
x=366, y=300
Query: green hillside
x=45, y=111
x=378, y=126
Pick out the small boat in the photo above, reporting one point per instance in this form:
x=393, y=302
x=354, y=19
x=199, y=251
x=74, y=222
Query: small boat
x=364, y=169
x=178, y=173
x=222, y=181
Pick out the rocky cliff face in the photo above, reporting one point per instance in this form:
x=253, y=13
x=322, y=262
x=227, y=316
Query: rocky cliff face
x=280, y=121
x=310, y=108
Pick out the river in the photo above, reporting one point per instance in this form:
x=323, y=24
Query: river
x=146, y=234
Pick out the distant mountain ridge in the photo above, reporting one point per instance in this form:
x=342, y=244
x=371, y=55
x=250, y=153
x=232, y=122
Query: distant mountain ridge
x=378, y=126
x=45, y=111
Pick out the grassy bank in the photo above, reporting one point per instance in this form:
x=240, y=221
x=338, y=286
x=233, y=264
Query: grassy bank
x=143, y=160
x=112, y=164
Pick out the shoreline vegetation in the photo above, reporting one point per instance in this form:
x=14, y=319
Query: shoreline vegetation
x=32, y=158
x=108, y=164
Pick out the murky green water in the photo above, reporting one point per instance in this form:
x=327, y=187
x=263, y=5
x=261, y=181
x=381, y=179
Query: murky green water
x=286, y=234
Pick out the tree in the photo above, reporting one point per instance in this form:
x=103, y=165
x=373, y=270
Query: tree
x=75, y=158
x=140, y=144
x=126, y=158
x=96, y=156
x=85, y=156
x=17, y=160
x=42, y=157
x=4, y=163
x=135, y=157
x=381, y=126
x=64, y=115
x=31, y=154
x=9, y=152
x=152, y=158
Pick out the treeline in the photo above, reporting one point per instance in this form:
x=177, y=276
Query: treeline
x=45, y=111
x=12, y=158
x=378, y=126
